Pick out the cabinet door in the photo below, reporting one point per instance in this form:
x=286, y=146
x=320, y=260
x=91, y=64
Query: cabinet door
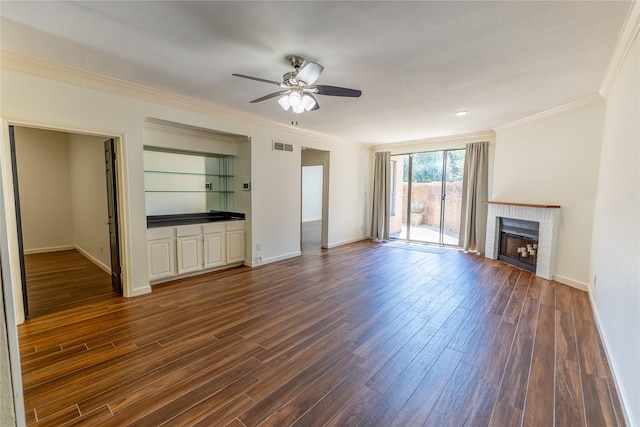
x=162, y=258
x=235, y=246
x=214, y=250
x=189, y=254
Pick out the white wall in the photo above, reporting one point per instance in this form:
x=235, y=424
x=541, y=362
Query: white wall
x=311, y=193
x=89, y=198
x=242, y=198
x=554, y=160
x=616, y=235
x=78, y=102
x=45, y=190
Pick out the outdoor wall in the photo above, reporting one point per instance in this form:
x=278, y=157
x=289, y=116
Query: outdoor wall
x=554, y=160
x=615, y=294
x=45, y=190
x=429, y=194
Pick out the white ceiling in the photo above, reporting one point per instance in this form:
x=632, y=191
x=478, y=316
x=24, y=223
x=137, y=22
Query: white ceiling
x=417, y=63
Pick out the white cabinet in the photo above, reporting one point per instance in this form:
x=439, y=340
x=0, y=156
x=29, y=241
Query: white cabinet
x=235, y=242
x=187, y=249
x=189, y=242
x=215, y=247
x=162, y=252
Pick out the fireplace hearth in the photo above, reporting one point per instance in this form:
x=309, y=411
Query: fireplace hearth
x=518, y=244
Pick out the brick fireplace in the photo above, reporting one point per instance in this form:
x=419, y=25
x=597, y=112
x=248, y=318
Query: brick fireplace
x=547, y=218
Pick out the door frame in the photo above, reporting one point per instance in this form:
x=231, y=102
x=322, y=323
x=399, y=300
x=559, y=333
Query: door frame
x=9, y=199
x=326, y=158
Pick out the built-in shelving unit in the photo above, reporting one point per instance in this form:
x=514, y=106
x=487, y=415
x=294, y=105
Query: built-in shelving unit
x=224, y=182
x=185, y=182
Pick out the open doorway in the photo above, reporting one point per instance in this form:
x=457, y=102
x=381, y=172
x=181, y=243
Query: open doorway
x=315, y=183
x=66, y=225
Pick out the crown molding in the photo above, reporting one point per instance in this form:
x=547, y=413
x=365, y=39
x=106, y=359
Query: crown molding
x=62, y=73
x=165, y=125
x=453, y=139
x=628, y=35
x=573, y=106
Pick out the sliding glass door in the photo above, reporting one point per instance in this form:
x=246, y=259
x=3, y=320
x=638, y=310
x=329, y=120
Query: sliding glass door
x=426, y=190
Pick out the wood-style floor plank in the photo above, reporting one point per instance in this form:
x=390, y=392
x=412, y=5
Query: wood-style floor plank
x=364, y=334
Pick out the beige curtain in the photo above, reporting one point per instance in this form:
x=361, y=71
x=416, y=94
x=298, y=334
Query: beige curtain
x=473, y=220
x=381, y=196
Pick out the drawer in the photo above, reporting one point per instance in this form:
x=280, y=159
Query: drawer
x=160, y=233
x=235, y=225
x=215, y=227
x=188, y=230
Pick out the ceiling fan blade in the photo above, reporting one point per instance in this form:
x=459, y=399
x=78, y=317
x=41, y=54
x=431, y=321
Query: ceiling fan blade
x=257, y=79
x=337, y=91
x=271, y=95
x=309, y=73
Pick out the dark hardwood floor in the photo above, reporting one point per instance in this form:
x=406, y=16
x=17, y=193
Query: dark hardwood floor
x=360, y=335
x=61, y=280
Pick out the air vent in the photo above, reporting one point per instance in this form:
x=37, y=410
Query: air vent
x=280, y=146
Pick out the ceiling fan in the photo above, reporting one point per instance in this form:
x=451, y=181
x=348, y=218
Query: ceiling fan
x=298, y=87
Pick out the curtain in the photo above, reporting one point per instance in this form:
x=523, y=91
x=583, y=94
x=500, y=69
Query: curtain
x=473, y=219
x=381, y=196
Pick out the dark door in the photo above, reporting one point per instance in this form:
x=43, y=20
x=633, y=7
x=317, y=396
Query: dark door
x=16, y=196
x=112, y=201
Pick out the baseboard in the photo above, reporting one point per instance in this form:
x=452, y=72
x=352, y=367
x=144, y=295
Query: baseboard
x=570, y=282
x=264, y=261
x=346, y=242
x=279, y=258
x=624, y=400
x=94, y=260
x=139, y=291
x=49, y=249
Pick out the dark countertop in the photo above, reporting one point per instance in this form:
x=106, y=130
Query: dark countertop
x=154, y=221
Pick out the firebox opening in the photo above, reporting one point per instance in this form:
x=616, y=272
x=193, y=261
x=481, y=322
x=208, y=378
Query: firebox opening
x=519, y=243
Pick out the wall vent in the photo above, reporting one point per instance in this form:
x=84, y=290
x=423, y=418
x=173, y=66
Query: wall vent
x=280, y=146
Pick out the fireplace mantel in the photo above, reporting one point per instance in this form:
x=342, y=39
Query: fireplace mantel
x=526, y=205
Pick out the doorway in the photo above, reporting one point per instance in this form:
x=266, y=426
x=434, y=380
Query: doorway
x=314, y=195
x=426, y=196
x=64, y=217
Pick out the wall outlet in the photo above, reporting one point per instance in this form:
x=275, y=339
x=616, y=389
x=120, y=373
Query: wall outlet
x=258, y=246
x=595, y=280
x=101, y=249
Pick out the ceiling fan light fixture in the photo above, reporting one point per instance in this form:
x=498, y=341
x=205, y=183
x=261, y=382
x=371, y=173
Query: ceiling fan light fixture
x=284, y=102
x=295, y=99
x=308, y=102
x=298, y=109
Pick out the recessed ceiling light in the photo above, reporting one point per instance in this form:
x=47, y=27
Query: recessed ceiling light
x=461, y=113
